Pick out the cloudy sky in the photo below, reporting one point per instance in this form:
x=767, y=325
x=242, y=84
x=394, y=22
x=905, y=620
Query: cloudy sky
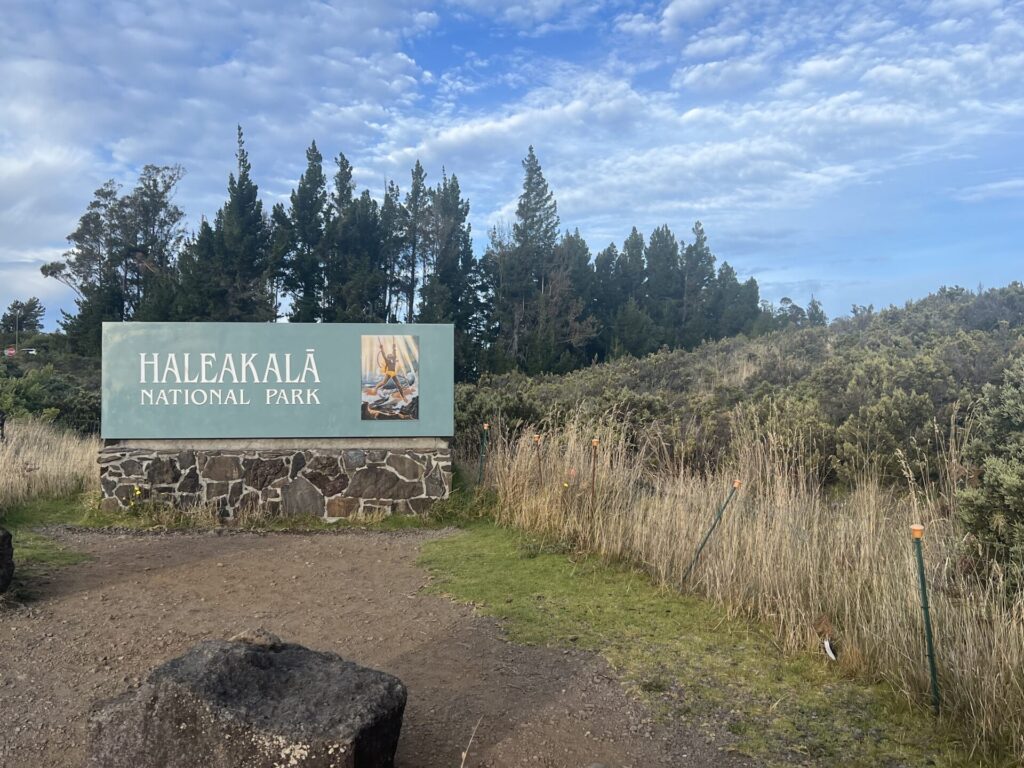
x=863, y=152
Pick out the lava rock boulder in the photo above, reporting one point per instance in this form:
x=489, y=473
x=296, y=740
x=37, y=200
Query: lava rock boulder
x=252, y=702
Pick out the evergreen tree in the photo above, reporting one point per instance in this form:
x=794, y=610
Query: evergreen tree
x=572, y=256
x=338, y=258
x=634, y=331
x=451, y=290
x=23, y=317
x=226, y=273
x=245, y=246
x=664, y=283
x=607, y=300
x=304, y=264
x=201, y=287
x=630, y=270
x=417, y=223
x=734, y=306
x=540, y=321
x=501, y=291
x=536, y=227
x=391, y=223
x=282, y=242
x=816, y=317
x=698, y=279
x=563, y=323
x=361, y=297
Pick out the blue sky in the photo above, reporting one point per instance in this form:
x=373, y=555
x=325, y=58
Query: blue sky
x=867, y=153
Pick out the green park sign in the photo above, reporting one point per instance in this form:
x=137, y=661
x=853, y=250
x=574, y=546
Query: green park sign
x=263, y=380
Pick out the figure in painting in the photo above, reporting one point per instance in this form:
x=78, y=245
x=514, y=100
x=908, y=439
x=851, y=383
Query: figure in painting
x=390, y=377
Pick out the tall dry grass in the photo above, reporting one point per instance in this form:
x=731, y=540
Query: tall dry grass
x=803, y=561
x=39, y=459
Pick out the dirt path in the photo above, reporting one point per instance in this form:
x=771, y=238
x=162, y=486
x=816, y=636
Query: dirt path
x=97, y=627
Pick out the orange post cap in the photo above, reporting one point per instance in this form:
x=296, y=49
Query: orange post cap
x=917, y=531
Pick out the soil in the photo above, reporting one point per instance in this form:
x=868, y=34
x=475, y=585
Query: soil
x=93, y=629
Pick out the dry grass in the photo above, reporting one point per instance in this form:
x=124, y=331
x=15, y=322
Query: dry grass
x=40, y=460
x=789, y=554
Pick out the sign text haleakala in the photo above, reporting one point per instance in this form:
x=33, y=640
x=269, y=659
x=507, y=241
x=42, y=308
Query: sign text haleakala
x=157, y=368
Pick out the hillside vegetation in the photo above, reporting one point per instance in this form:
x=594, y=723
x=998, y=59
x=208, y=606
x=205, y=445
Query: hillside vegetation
x=842, y=437
x=878, y=388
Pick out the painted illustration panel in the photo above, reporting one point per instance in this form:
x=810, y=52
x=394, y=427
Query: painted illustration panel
x=390, y=378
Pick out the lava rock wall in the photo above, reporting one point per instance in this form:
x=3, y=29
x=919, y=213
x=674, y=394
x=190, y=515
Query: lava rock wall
x=325, y=482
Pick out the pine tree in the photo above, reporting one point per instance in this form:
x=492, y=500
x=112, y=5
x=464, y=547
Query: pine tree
x=227, y=271
x=417, y=222
x=451, y=290
x=634, y=331
x=361, y=295
x=502, y=324
x=282, y=242
x=533, y=308
x=572, y=256
x=337, y=259
x=201, y=287
x=816, y=317
x=536, y=227
x=607, y=300
x=698, y=279
x=391, y=233
x=23, y=317
x=245, y=236
x=734, y=306
x=664, y=283
x=630, y=269
x=303, y=265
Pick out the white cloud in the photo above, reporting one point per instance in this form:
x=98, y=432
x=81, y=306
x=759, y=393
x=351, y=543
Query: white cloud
x=725, y=75
x=943, y=7
x=537, y=17
x=682, y=13
x=992, y=190
x=825, y=66
x=636, y=24
x=713, y=47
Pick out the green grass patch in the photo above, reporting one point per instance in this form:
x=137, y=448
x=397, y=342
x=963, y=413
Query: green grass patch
x=685, y=657
x=35, y=553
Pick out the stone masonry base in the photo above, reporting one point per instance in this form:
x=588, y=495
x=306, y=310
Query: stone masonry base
x=330, y=482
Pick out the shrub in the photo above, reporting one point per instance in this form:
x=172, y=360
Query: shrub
x=993, y=509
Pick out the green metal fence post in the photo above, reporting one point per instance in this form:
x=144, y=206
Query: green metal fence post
x=917, y=533
x=593, y=473
x=714, y=524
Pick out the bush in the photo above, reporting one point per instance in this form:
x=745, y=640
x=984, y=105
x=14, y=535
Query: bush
x=993, y=509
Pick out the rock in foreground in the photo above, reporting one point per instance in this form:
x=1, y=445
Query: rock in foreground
x=252, y=702
x=6, y=560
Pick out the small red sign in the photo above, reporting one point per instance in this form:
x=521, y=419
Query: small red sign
x=10, y=351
